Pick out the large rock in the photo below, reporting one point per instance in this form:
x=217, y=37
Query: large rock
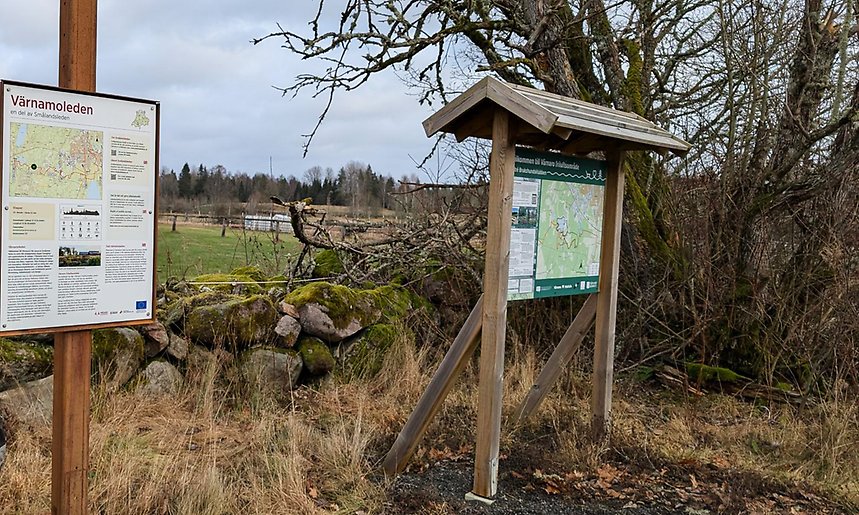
x=160, y=378
x=31, y=404
x=316, y=356
x=236, y=324
x=272, y=370
x=177, y=310
x=155, y=339
x=23, y=361
x=288, y=329
x=117, y=355
x=334, y=312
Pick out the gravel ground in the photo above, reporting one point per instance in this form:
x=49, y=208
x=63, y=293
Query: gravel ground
x=688, y=490
x=441, y=489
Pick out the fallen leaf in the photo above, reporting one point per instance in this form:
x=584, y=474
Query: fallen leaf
x=614, y=493
x=607, y=473
x=313, y=492
x=574, y=475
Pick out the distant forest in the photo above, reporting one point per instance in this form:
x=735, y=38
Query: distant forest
x=219, y=192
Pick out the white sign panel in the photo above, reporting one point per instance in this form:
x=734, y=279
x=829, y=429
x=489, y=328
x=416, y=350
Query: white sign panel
x=78, y=214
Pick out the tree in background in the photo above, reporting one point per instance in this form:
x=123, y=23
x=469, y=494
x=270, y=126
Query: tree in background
x=185, y=182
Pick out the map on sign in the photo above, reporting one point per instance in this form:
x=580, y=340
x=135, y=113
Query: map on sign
x=55, y=162
x=569, y=235
x=556, y=228
x=140, y=119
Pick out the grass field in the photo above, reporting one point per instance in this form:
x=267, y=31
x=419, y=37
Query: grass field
x=196, y=249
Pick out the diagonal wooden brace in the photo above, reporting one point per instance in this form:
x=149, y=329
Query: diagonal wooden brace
x=558, y=360
x=442, y=381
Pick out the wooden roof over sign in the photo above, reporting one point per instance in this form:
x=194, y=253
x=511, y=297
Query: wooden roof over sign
x=551, y=121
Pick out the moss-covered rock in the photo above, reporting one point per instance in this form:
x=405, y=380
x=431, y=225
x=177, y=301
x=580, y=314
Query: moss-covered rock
x=23, y=361
x=117, y=355
x=315, y=355
x=363, y=357
x=397, y=302
x=237, y=284
x=239, y=323
x=327, y=264
x=173, y=316
x=334, y=312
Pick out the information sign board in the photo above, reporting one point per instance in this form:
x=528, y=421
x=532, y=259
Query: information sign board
x=77, y=242
x=556, y=226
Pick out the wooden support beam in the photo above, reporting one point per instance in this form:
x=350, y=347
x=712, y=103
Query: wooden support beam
x=607, y=298
x=501, y=167
x=70, y=445
x=558, y=360
x=442, y=381
x=78, y=25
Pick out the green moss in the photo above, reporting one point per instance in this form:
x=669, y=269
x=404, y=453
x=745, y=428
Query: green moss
x=315, y=355
x=707, y=374
x=174, y=314
x=341, y=303
x=345, y=304
x=785, y=387
x=367, y=354
x=250, y=271
x=240, y=322
x=397, y=302
x=633, y=83
x=16, y=351
x=327, y=264
x=230, y=283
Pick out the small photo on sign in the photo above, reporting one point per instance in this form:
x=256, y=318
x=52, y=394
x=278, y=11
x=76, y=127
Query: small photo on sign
x=74, y=256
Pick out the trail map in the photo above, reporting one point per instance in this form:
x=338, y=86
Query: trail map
x=55, y=162
x=556, y=226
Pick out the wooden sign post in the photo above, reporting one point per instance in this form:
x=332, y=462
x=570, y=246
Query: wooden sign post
x=501, y=161
x=511, y=115
x=73, y=350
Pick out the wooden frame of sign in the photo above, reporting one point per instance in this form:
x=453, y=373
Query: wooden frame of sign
x=73, y=342
x=512, y=115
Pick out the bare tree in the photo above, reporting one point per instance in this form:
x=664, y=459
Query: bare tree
x=767, y=91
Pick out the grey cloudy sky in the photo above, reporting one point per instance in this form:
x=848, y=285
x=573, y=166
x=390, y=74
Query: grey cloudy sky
x=215, y=87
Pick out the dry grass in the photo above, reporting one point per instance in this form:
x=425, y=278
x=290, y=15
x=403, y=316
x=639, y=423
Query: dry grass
x=219, y=448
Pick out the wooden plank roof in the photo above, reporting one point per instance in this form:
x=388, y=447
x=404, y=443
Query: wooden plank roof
x=551, y=121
